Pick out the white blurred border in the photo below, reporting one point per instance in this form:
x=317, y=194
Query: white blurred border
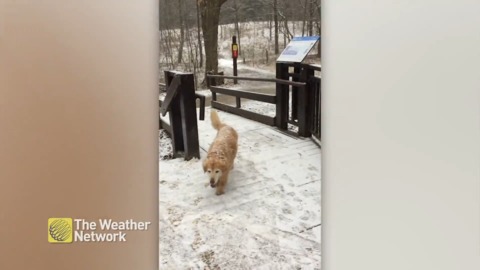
x=401, y=135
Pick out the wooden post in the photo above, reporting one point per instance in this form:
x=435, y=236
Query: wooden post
x=181, y=104
x=296, y=71
x=237, y=102
x=315, y=98
x=188, y=112
x=174, y=115
x=305, y=108
x=234, y=57
x=282, y=97
x=319, y=115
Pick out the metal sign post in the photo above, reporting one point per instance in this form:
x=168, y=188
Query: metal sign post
x=234, y=57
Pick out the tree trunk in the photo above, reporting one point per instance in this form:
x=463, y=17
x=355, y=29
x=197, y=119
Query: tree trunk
x=304, y=17
x=199, y=35
x=310, y=19
x=286, y=17
x=210, y=13
x=270, y=28
x=182, y=31
x=275, y=19
x=237, y=27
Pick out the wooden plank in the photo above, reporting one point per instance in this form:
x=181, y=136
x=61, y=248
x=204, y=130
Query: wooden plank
x=166, y=126
x=279, y=81
x=304, y=111
x=237, y=102
x=282, y=97
x=293, y=122
x=296, y=77
x=188, y=118
x=315, y=105
x=244, y=94
x=171, y=93
x=202, y=105
x=313, y=66
x=267, y=120
x=175, y=119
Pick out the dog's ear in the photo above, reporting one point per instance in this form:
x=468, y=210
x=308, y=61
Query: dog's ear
x=204, y=165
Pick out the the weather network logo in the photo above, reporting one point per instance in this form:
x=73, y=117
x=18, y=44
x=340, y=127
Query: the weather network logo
x=69, y=230
x=60, y=230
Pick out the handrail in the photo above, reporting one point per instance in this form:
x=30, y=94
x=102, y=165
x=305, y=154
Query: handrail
x=171, y=93
x=279, y=81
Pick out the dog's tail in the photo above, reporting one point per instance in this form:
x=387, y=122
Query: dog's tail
x=216, y=123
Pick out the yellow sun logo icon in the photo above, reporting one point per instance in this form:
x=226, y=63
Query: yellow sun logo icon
x=60, y=230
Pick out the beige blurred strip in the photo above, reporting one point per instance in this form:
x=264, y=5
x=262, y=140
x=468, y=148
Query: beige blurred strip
x=78, y=129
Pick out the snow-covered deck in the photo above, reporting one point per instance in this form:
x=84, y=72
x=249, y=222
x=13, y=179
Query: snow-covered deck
x=269, y=217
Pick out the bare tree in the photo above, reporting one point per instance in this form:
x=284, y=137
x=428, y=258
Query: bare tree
x=199, y=34
x=210, y=13
x=275, y=20
x=305, y=8
x=319, y=25
x=310, y=17
x=182, y=30
x=270, y=27
x=189, y=35
x=287, y=34
x=237, y=26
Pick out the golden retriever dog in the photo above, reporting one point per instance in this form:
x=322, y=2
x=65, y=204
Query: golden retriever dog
x=221, y=154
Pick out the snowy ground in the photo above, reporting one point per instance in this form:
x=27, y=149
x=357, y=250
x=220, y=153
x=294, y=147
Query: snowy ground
x=269, y=217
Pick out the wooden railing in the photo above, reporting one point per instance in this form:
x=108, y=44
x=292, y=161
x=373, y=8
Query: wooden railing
x=239, y=94
x=180, y=104
x=305, y=102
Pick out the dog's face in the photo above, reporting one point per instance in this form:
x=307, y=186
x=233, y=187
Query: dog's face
x=214, y=169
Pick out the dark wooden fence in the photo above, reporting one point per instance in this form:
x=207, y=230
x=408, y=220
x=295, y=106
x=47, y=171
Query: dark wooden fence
x=180, y=103
x=305, y=103
x=297, y=99
x=239, y=94
x=315, y=86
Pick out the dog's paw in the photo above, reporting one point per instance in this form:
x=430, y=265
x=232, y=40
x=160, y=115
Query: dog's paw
x=218, y=193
